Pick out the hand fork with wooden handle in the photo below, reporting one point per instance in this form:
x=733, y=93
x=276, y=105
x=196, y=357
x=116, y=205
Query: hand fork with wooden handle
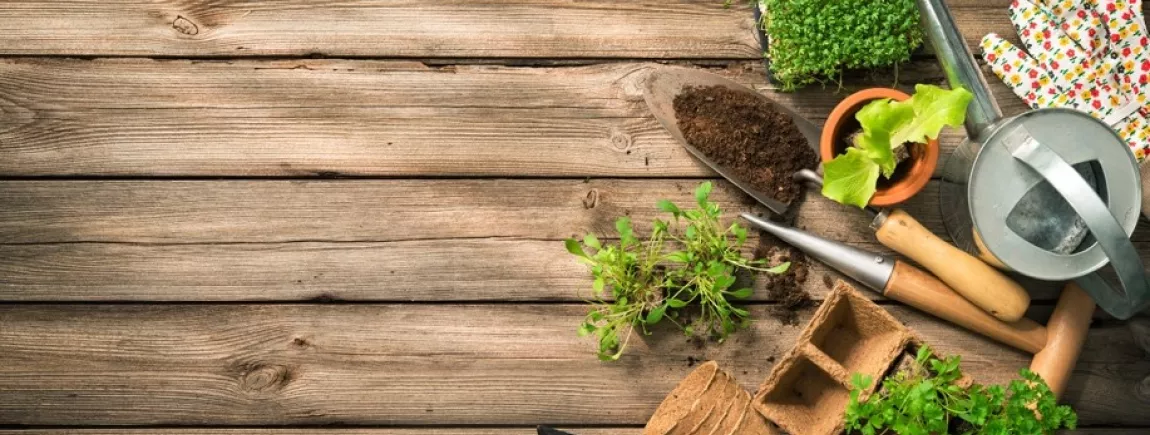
x=971, y=277
x=981, y=284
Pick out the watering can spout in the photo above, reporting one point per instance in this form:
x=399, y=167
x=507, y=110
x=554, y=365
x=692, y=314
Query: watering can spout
x=959, y=66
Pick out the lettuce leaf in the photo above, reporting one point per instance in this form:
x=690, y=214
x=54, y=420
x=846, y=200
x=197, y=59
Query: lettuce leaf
x=934, y=108
x=879, y=120
x=850, y=178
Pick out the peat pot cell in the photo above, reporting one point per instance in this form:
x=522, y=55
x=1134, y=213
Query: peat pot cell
x=860, y=336
x=806, y=400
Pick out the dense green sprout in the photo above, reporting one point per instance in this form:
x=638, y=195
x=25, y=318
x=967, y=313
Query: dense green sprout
x=816, y=40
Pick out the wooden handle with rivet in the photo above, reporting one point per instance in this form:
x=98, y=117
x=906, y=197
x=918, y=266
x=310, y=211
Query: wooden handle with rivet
x=975, y=280
x=1066, y=333
x=914, y=287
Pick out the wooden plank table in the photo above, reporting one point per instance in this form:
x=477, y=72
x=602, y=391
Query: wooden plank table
x=298, y=216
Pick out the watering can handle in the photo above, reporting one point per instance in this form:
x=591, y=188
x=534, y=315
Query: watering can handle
x=1103, y=225
x=959, y=65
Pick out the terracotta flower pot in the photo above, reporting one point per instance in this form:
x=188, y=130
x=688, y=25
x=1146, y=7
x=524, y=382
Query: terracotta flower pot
x=910, y=176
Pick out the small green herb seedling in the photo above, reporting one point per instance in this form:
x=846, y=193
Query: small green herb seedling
x=928, y=399
x=649, y=283
x=631, y=270
x=707, y=265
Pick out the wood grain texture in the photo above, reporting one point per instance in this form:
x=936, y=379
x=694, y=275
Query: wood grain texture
x=389, y=240
x=375, y=28
x=65, y=117
x=366, y=28
x=261, y=211
x=421, y=364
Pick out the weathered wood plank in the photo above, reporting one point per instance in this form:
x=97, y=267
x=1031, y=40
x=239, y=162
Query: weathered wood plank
x=435, y=270
x=329, y=117
x=372, y=28
x=274, y=211
x=287, y=240
x=363, y=28
x=356, y=240
x=261, y=211
x=411, y=431
x=419, y=364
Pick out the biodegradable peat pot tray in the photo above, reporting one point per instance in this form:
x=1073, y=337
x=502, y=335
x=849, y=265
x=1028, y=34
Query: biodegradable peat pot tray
x=807, y=392
x=707, y=402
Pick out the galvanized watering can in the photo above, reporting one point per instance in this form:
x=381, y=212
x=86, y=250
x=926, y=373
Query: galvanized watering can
x=1053, y=194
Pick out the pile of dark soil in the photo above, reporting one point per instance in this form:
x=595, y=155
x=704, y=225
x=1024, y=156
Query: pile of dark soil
x=785, y=289
x=758, y=143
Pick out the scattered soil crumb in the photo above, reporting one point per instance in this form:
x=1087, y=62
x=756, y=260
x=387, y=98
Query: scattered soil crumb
x=697, y=341
x=786, y=289
x=691, y=361
x=828, y=282
x=771, y=359
x=759, y=143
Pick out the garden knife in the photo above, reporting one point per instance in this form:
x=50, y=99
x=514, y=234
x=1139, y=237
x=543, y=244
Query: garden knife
x=986, y=287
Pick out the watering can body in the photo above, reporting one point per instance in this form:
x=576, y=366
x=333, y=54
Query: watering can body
x=1053, y=194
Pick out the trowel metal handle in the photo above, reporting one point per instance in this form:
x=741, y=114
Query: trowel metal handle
x=907, y=284
x=869, y=269
x=975, y=280
x=959, y=65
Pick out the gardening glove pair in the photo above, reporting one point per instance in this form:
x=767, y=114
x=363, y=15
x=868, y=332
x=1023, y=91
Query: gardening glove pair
x=1087, y=55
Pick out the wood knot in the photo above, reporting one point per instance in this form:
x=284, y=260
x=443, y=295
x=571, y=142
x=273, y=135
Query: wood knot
x=185, y=26
x=592, y=199
x=620, y=140
x=301, y=343
x=260, y=378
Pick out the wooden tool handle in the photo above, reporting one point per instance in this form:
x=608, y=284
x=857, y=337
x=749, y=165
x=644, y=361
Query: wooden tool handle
x=1066, y=331
x=979, y=283
x=919, y=289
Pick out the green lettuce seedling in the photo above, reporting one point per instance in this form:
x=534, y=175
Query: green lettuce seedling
x=887, y=125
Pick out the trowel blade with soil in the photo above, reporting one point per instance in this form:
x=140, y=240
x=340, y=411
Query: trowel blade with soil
x=665, y=83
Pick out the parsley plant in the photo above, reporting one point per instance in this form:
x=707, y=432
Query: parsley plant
x=928, y=399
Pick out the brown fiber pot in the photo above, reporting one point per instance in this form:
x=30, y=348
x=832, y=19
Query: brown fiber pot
x=910, y=177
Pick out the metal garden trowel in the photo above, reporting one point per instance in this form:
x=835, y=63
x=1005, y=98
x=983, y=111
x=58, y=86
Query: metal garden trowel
x=1053, y=194
x=979, y=283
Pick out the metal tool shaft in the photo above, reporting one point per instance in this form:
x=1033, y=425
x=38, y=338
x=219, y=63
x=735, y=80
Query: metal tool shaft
x=869, y=269
x=959, y=65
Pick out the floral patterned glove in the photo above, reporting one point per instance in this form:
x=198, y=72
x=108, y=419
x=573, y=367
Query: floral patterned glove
x=1075, y=62
x=1128, y=56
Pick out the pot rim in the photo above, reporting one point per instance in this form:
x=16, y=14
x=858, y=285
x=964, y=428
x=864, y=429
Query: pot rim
x=922, y=168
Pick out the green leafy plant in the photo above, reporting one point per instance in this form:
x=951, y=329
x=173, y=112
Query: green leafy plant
x=816, y=40
x=631, y=270
x=707, y=265
x=639, y=283
x=929, y=399
x=888, y=125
